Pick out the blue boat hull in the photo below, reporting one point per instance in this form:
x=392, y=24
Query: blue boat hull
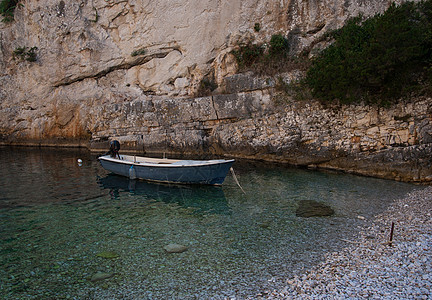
x=212, y=173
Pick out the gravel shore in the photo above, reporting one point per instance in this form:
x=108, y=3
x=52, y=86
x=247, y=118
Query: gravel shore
x=373, y=268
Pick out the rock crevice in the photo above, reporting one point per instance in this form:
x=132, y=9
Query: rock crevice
x=142, y=59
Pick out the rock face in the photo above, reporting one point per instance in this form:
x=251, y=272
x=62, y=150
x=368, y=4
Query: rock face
x=130, y=70
x=384, y=142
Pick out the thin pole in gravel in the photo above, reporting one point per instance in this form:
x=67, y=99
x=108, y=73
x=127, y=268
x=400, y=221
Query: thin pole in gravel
x=391, y=234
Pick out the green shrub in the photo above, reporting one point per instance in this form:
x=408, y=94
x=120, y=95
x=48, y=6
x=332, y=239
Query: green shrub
x=379, y=59
x=255, y=58
x=25, y=53
x=247, y=55
x=257, y=27
x=141, y=51
x=7, y=8
x=278, y=45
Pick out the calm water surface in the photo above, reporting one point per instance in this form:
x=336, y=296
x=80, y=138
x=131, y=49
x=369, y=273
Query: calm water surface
x=58, y=219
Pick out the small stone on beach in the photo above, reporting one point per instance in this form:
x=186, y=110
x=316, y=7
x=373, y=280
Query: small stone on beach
x=175, y=248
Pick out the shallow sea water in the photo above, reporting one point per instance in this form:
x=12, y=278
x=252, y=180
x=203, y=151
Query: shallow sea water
x=56, y=218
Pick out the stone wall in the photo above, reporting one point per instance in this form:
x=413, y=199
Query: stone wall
x=394, y=142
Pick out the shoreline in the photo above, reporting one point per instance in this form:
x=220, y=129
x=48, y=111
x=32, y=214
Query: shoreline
x=371, y=267
x=426, y=181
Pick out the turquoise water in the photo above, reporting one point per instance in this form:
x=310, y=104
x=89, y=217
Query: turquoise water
x=58, y=220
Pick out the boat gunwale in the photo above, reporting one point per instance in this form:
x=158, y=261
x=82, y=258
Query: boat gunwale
x=163, y=164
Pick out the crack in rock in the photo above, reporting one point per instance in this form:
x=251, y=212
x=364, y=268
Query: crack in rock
x=142, y=59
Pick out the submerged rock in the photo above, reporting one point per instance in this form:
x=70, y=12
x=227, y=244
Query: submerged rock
x=175, y=248
x=265, y=224
x=108, y=254
x=311, y=208
x=101, y=276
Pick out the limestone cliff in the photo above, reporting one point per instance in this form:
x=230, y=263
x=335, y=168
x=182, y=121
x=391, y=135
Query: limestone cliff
x=129, y=69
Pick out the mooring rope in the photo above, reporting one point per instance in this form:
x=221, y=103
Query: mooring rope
x=235, y=179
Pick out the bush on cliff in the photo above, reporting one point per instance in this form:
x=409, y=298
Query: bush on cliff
x=7, y=8
x=248, y=55
x=378, y=59
x=278, y=46
x=268, y=59
x=24, y=53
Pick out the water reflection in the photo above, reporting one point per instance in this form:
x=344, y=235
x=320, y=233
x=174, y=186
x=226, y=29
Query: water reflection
x=35, y=176
x=201, y=198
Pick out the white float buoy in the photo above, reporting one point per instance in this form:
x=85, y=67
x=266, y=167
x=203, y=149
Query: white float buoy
x=132, y=172
x=79, y=162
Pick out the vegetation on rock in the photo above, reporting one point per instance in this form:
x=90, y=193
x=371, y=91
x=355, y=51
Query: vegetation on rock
x=377, y=60
x=278, y=46
x=24, y=53
x=7, y=8
x=138, y=52
x=268, y=59
x=257, y=27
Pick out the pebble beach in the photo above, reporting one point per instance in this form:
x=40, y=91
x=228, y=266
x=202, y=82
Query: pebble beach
x=372, y=267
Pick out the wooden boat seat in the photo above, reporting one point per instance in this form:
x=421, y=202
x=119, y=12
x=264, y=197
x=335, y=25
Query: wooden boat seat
x=139, y=159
